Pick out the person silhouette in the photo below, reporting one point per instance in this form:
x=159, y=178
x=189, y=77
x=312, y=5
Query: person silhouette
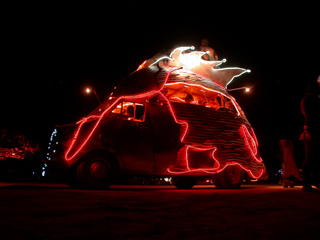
x=211, y=54
x=310, y=108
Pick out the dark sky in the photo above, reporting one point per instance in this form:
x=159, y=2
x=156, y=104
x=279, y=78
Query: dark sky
x=52, y=52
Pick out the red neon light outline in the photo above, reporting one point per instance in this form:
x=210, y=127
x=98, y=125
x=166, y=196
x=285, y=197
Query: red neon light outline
x=251, y=142
x=246, y=135
x=150, y=94
x=214, y=170
x=249, y=171
x=132, y=97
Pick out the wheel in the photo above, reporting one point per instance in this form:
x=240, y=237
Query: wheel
x=184, y=182
x=96, y=171
x=231, y=177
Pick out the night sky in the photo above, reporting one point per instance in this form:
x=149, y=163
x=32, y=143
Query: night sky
x=52, y=52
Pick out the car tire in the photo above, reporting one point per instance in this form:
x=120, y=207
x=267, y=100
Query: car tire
x=230, y=178
x=96, y=171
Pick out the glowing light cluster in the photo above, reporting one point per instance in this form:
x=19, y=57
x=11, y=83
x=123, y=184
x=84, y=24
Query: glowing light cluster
x=193, y=61
x=16, y=145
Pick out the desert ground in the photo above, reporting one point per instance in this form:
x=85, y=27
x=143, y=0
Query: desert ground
x=55, y=211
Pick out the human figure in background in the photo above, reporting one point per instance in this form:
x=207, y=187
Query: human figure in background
x=289, y=166
x=211, y=55
x=310, y=108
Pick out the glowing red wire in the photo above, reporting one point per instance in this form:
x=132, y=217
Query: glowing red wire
x=245, y=133
x=133, y=97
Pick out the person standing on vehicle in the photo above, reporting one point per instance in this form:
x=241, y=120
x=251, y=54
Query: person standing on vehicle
x=211, y=54
x=310, y=108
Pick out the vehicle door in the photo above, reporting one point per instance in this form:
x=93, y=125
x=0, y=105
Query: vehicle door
x=131, y=136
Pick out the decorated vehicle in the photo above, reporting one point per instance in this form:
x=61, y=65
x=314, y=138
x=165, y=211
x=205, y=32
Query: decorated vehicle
x=174, y=117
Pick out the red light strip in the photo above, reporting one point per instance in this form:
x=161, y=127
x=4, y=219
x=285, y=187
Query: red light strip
x=246, y=135
x=84, y=120
x=213, y=170
x=249, y=171
x=251, y=142
x=248, y=138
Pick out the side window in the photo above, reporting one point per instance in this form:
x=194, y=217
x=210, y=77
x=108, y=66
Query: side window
x=140, y=110
x=130, y=111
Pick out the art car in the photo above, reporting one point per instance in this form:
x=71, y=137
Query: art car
x=172, y=117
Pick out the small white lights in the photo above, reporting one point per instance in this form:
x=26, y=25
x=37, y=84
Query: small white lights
x=246, y=89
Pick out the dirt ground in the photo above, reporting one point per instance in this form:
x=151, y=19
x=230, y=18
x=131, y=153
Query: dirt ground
x=54, y=211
